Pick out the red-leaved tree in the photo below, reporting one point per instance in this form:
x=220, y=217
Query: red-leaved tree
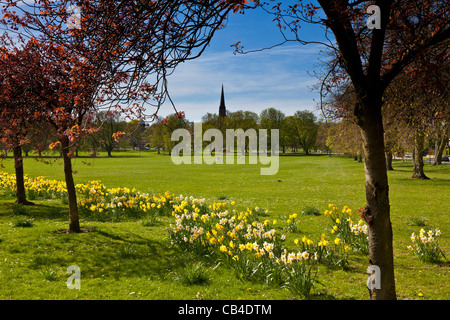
x=110, y=54
x=20, y=105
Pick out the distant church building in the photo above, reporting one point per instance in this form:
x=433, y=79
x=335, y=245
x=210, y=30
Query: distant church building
x=222, y=108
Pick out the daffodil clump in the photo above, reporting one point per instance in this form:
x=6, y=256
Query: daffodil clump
x=252, y=248
x=103, y=203
x=292, y=222
x=426, y=245
x=35, y=188
x=219, y=227
x=333, y=253
x=351, y=230
x=95, y=200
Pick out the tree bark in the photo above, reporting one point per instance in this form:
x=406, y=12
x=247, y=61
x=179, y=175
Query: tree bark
x=389, y=160
x=360, y=155
x=377, y=209
x=418, y=172
x=20, y=182
x=441, y=142
x=74, y=224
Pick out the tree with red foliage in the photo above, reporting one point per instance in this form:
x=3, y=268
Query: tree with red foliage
x=119, y=55
x=143, y=41
x=47, y=84
x=20, y=105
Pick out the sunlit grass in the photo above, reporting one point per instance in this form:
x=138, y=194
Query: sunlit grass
x=134, y=260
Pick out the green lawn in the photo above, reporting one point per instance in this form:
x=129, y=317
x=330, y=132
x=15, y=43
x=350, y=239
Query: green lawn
x=33, y=261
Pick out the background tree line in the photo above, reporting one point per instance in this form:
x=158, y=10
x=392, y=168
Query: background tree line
x=301, y=132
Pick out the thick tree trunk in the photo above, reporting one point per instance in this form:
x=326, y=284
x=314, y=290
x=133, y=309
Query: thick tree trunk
x=20, y=182
x=418, y=172
x=377, y=209
x=74, y=224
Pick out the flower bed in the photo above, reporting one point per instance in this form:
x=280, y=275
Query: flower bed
x=254, y=248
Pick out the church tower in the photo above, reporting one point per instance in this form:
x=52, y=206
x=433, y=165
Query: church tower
x=222, y=108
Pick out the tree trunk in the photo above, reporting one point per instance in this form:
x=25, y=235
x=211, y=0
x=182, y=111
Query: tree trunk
x=377, y=209
x=389, y=160
x=20, y=182
x=418, y=172
x=74, y=224
x=360, y=154
x=441, y=142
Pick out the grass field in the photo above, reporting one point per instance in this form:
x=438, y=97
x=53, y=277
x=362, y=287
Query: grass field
x=134, y=260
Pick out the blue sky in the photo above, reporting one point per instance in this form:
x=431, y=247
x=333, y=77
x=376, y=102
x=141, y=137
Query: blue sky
x=280, y=77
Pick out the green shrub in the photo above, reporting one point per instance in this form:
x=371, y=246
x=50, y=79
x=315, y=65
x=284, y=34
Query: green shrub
x=49, y=274
x=23, y=222
x=417, y=222
x=300, y=279
x=310, y=210
x=150, y=221
x=126, y=252
x=195, y=274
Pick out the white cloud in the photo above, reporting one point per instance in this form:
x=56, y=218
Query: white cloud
x=273, y=78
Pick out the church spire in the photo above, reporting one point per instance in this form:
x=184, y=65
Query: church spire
x=222, y=108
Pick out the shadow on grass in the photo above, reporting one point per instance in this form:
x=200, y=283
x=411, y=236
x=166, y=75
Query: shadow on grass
x=105, y=253
x=8, y=207
x=299, y=154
